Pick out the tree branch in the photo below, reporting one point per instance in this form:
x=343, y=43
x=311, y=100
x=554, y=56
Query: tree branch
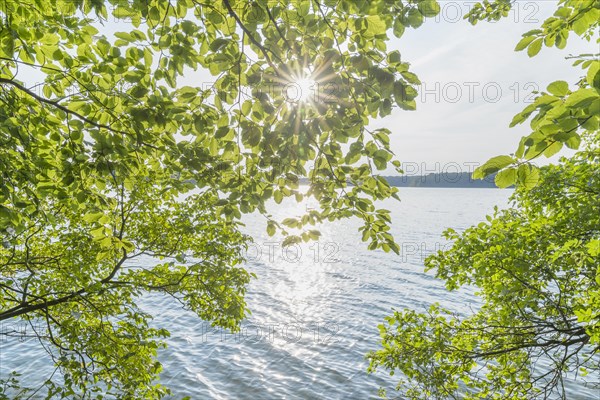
x=252, y=39
x=59, y=106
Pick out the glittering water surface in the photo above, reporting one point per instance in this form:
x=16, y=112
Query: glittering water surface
x=315, y=308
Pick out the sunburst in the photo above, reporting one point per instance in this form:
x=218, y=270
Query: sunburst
x=302, y=84
x=306, y=90
x=303, y=89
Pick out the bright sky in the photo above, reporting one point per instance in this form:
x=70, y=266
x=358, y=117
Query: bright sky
x=473, y=84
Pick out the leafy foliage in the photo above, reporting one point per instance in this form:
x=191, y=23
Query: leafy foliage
x=537, y=269
x=536, y=265
x=75, y=270
x=562, y=114
x=118, y=100
x=96, y=157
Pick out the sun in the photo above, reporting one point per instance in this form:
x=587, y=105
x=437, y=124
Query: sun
x=301, y=90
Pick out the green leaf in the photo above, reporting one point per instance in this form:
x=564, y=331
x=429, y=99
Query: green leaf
x=492, y=165
x=124, y=36
x=93, y=217
x=581, y=98
x=399, y=28
x=410, y=77
x=375, y=25
x=429, y=8
x=290, y=240
x=414, y=18
x=535, y=47
x=506, y=177
x=217, y=44
x=559, y=88
x=246, y=107
x=394, y=57
x=533, y=178
x=574, y=141
x=553, y=149
x=524, y=42
x=593, y=247
x=271, y=228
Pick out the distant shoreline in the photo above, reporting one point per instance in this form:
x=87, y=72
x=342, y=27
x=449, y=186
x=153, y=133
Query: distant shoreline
x=443, y=180
x=457, y=180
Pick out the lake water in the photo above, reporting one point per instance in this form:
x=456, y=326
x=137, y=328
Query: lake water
x=315, y=308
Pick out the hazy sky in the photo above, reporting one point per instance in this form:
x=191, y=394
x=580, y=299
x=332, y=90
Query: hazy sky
x=474, y=83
